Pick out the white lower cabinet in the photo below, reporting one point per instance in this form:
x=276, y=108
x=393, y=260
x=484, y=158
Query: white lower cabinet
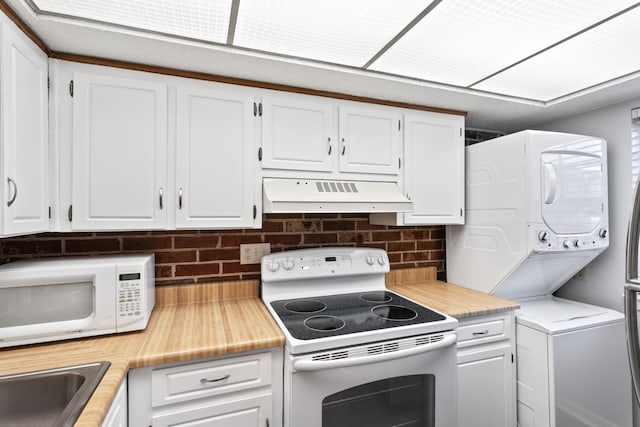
x=240, y=390
x=117, y=413
x=487, y=371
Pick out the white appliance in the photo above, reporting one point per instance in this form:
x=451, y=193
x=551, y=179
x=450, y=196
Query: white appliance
x=356, y=353
x=62, y=298
x=537, y=213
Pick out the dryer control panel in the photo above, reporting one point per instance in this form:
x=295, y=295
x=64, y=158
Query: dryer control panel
x=545, y=240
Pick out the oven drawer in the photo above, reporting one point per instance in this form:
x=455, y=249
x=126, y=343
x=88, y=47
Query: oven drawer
x=193, y=381
x=483, y=329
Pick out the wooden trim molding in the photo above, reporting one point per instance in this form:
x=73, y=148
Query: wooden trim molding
x=243, y=82
x=4, y=7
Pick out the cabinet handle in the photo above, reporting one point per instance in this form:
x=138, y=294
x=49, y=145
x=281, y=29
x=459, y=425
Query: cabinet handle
x=329, y=141
x=180, y=199
x=344, y=146
x=267, y=422
x=214, y=380
x=485, y=332
x=161, y=192
x=11, y=182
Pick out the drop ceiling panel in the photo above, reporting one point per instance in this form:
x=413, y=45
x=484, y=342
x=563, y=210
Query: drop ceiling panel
x=197, y=19
x=604, y=53
x=463, y=41
x=342, y=32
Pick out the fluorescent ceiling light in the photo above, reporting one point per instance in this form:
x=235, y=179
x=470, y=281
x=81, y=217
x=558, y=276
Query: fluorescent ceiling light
x=463, y=41
x=196, y=19
x=604, y=53
x=337, y=31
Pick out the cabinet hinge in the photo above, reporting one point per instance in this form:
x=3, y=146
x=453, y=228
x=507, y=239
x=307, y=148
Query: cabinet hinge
x=70, y=213
x=260, y=154
x=48, y=83
x=49, y=212
x=71, y=88
x=260, y=109
x=255, y=211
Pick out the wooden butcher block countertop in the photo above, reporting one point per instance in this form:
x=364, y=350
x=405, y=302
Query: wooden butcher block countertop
x=204, y=320
x=421, y=285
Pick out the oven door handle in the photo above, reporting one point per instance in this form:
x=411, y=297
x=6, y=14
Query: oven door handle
x=316, y=365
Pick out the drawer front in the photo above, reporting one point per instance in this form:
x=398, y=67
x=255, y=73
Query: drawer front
x=193, y=381
x=482, y=330
x=247, y=412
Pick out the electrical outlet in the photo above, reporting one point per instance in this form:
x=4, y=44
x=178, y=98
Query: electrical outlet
x=253, y=253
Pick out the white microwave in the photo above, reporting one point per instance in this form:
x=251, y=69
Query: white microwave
x=54, y=299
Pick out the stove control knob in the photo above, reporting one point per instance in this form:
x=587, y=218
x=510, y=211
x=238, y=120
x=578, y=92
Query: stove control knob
x=273, y=266
x=603, y=233
x=566, y=244
x=381, y=260
x=370, y=259
x=542, y=236
x=288, y=264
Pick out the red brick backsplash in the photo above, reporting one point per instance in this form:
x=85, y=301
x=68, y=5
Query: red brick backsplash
x=205, y=255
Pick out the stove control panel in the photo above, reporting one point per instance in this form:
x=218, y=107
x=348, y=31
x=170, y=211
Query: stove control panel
x=323, y=262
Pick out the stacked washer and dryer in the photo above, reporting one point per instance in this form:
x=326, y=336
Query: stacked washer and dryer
x=536, y=215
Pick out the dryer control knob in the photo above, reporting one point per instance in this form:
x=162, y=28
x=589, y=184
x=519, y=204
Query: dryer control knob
x=542, y=236
x=273, y=266
x=566, y=244
x=603, y=233
x=578, y=243
x=288, y=264
x=370, y=259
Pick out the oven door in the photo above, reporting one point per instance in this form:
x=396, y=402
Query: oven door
x=404, y=382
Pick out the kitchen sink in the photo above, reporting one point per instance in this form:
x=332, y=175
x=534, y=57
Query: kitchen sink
x=49, y=398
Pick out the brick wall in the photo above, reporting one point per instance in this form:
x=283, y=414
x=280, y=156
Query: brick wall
x=201, y=256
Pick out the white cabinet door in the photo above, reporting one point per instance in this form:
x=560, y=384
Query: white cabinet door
x=297, y=134
x=434, y=168
x=485, y=388
x=117, y=413
x=25, y=155
x=119, y=153
x=215, y=177
x=370, y=140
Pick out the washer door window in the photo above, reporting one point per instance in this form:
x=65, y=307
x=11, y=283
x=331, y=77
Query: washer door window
x=572, y=191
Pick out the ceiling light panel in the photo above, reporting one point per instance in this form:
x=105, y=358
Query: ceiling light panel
x=206, y=20
x=337, y=31
x=463, y=41
x=604, y=53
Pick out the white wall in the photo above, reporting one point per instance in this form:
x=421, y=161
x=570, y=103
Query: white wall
x=605, y=276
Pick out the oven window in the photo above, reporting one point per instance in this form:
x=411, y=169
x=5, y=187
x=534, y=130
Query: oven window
x=32, y=305
x=407, y=401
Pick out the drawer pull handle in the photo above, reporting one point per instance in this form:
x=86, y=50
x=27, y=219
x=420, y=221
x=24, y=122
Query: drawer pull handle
x=214, y=380
x=485, y=332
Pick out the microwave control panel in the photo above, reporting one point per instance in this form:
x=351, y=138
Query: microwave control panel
x=129, y=295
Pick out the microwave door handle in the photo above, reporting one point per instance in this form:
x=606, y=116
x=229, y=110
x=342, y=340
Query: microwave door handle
x=631, y=291
x=317, y=365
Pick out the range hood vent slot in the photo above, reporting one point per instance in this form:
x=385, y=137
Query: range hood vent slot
x=286, y=195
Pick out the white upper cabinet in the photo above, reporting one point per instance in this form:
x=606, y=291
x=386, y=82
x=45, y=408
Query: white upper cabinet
x=370, y=140
x=25, y=149
x=119, y=153
x=215, y=155
x=433, y=170
x=297, y=134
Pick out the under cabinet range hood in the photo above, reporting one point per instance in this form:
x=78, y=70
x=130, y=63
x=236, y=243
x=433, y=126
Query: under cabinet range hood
x=284, y=195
